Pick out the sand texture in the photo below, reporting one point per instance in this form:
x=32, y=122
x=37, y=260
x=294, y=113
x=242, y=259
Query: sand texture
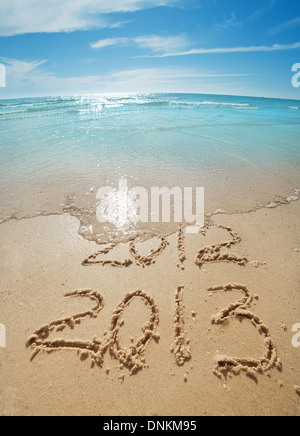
x=179, y=325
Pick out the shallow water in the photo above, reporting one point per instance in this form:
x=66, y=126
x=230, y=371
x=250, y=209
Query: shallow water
x=57, y=151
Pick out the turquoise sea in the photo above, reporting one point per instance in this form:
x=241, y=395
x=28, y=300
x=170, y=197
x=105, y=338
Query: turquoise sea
x=55, y=152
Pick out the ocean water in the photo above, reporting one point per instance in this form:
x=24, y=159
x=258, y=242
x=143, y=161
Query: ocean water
x=55, y=152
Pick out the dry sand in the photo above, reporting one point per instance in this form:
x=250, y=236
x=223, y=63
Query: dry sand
x=200, y=325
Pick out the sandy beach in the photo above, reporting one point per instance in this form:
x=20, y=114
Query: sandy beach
x=200, y=325
x=149, y=210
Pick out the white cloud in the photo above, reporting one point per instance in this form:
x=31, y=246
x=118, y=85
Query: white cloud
x=31, y=78
x=166, y=74
x=21, y=68
x=109, y=42
x=19, y=71
x=155, y=43
x=37, y=16
x=167, y=80
x=158, y=43
x=251, y=49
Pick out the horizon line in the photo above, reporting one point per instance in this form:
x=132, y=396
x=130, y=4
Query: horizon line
x=145, y=93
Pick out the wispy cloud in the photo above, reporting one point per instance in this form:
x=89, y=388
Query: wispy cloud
x=109, y=42
x=154, y=43
x=261, y=12
x=167, y=74
x=251, y=49
x=42, y=82
x=36, y=16
x=285, y=26
x=230, y=23
x=158, y=43
x=20, y=70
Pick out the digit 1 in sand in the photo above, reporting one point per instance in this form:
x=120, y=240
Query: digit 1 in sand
x=181, y=348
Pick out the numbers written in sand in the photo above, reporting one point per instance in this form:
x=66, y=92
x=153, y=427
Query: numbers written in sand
x=207, y=254
x=133, y=358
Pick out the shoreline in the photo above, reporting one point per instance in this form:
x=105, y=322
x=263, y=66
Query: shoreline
x=148, y=233
x=240, y=156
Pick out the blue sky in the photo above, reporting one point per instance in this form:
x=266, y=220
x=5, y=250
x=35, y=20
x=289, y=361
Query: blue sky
x=233, y=47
